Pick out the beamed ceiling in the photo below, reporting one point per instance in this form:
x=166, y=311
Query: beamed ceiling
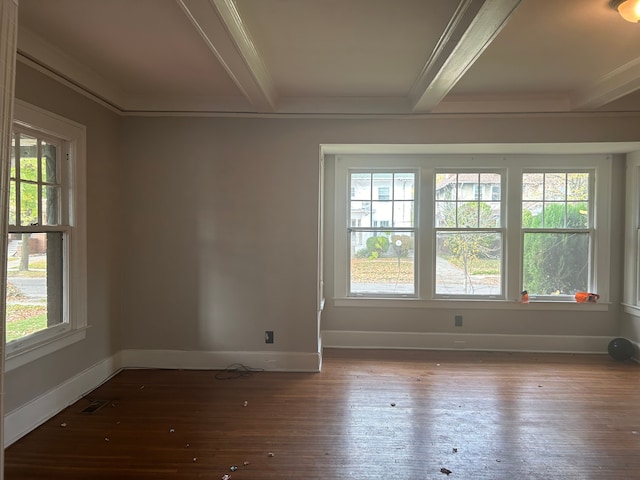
x=369, y=57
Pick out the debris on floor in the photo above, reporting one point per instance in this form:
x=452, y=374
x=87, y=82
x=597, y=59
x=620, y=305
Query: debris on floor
x=455, y=450
x=63, y=424
x=270, y=454
x=393, y=404
x=446, y=471
x=233, y=468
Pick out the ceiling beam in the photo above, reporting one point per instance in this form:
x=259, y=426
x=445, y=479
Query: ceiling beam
x=612, y=86
x=472, y=28
x=219, y=24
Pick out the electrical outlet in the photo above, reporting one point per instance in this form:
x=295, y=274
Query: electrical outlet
x=458, y=320
x=268, y=336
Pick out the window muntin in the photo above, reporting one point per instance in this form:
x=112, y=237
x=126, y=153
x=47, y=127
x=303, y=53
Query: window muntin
x=557, y=258
x=382, y=233
x=468, y=233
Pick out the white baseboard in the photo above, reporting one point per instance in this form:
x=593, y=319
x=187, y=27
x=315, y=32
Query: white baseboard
x=198, y=360
x=21, y=421
x=463, y=341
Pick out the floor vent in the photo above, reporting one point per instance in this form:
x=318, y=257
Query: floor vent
x=95, y=405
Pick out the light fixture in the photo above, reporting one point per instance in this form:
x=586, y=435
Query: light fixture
x=628, y=9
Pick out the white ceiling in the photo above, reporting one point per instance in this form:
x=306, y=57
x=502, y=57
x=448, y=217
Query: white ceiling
x=338, y=56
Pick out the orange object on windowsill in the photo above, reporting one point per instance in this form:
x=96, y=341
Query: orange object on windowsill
x=586, y=297
x=524, y=297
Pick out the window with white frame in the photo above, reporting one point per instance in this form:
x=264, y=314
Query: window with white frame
x=468, y=233
x=557, y=231
x=382, y=232
x=46, y=265
x=482, y=227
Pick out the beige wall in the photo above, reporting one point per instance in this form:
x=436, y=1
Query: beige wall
x=203, y=231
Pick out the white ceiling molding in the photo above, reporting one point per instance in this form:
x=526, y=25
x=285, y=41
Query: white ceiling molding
x=221, y=27
x=612, y=86
x=344, y=105
x=34, y=48
x=504, y=104
x=473, y=27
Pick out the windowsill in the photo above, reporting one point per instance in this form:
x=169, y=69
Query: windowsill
x=31, y=352
x=631, y=309
x=467, y=304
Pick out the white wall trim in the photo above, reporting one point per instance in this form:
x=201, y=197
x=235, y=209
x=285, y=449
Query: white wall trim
x=203, y=360
x=465, y=341
x=22, y=420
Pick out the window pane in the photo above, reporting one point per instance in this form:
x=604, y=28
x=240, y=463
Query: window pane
x=468, y=263
x=555, y=187
x=48, y=163
x=382, y=183
x=361, y=186
x=382, y=263
x=555, y=263
x=381, y=214
x=532, y=186
x=489, y=186
x=467, y=215
x=468, y=186
x=50, y=205
x=403, y=214
x=28, y=158
x=34, y=283
x=28, y=204
x=446, y=214
x=578, y=186
x=446, y=186
x=404, y=186
x=489, y=215
x=532, y=214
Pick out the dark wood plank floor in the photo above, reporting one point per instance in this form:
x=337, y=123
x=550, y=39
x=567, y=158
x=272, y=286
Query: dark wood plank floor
x=368, y=415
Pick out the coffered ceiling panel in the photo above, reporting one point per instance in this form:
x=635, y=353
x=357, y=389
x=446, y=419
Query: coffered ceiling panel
x=366, y=57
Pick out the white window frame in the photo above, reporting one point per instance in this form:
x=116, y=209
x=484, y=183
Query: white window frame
x=73, y=328
x=590, y=230
x=632, y=236
x=501, y=229
x=513, y=166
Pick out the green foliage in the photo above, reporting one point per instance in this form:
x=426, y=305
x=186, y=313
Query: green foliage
x=556, y=263
x=376, y=246
x=28, y=193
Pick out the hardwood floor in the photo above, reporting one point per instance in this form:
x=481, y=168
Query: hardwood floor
x=369, y=414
